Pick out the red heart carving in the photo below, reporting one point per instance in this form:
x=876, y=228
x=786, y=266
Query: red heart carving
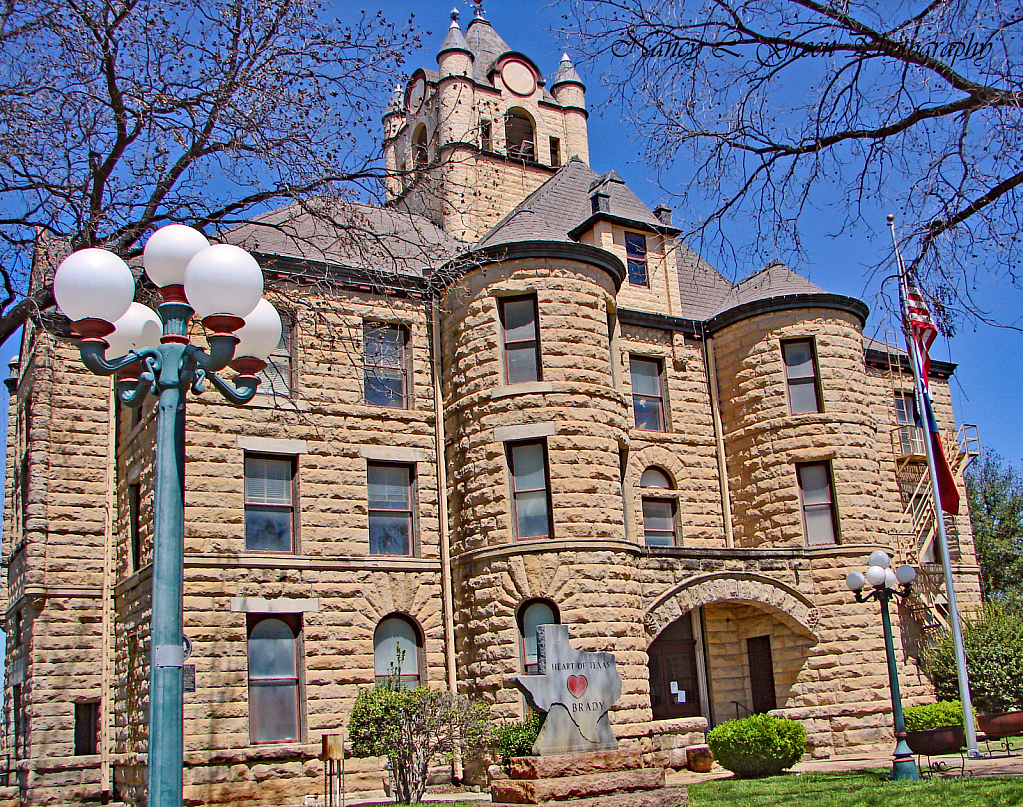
x=577, y=685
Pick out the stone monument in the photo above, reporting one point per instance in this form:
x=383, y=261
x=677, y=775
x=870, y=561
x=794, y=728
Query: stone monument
x=577, y=760
x=576, y=688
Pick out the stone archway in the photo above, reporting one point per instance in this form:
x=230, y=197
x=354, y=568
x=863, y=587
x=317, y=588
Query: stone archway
x=789, y=605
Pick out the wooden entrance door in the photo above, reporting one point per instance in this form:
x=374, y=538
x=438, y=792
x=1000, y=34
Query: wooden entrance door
x=761, y=674
x=674, y=685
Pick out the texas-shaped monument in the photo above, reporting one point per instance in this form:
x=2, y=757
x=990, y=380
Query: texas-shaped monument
x=576, y=689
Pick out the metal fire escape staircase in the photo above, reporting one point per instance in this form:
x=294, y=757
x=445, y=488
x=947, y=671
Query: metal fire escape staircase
x=917, y=534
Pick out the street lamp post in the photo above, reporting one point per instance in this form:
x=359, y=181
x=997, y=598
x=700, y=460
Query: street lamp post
x=152, y=354
x=883, y=582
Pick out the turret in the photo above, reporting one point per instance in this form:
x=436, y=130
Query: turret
x=393, y=119
x=456, y=98
x=569, y=91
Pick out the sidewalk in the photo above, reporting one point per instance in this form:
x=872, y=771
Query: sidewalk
x=998, y=764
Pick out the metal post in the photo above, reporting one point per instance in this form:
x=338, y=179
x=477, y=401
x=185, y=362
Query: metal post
x=167, y=651
x=903, y=764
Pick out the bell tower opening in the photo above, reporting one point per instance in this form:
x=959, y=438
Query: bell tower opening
x=519, y=134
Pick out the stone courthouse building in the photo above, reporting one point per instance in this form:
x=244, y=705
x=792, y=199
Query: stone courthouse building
x=509, y=397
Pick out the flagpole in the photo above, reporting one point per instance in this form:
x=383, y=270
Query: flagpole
x=939, y=515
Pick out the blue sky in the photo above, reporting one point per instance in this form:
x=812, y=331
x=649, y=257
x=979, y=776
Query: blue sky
x=985, y=387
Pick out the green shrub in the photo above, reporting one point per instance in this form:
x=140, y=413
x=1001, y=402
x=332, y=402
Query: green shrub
x=994, y=657
x=516, y=739
x=760, y=745
x=410, y=727
x=934, y=715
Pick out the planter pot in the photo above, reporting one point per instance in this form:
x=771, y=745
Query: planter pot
x=1001, y=724
x=935, y=742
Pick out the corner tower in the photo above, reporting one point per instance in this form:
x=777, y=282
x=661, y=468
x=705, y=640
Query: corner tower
x=472, y=139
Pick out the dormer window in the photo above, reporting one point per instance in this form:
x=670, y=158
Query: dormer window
x=635, y=253
x=519, y=138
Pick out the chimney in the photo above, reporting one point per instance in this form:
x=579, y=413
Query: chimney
x=600, y=202
x=663, y=214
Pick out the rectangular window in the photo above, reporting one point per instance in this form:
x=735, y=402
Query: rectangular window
x=86, y=728
x=486, y=135
x=801, y=376
x=911, y=435
x=269, y=504
x=647, y=394
x=390, y=509
x=274, y=697
x=521, y=340
x=659, y=522
x=23, y=478
x=19, y=628
x=818, y=501
x=277, y=378
x=385, y=365
x=134, y=528
x=530, y=489
x=635, y=254
x=555, y=151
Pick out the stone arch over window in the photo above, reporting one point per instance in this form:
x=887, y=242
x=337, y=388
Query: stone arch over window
x=648, y=463
x=660, y=508
x=519, y=134
x=420, y=147
x=538, y=611
x=791, y=606
x=398, y=639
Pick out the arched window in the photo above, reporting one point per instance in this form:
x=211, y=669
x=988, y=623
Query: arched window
x=420, y=150
x=532, y=614
x=659, y=514
x=519, y=139
x=273, y=679
x=397, y=647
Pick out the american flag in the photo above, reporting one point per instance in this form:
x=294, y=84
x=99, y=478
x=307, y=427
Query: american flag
x=919, y=324
x=920, y=328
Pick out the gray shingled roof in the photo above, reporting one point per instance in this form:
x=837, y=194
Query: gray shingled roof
x=776, y=280
x=486, y=46
x=382, y=240
x=562, y=203
x=703, y=288
x=455, y=40
x=566, y=72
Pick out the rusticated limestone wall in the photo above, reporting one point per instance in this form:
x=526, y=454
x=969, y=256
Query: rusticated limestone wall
x=764, y=442
x=574, y=405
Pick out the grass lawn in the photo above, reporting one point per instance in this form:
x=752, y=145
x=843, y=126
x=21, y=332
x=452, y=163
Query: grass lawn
x=860, y=789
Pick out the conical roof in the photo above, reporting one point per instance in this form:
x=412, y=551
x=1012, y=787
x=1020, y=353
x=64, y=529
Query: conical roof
x=566, y=73
x=454, y=40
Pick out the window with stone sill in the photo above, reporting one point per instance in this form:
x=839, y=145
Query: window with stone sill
x=134, y=526
x=397, y=652
x=278, y=377
x=269, y=503
x=660, y=517
x=816, y=495
x=273, y=676
x=385, y=365
x=520, y=335
x=391, y=498
x=648, y=393
x=801, y=377
x=531, y=490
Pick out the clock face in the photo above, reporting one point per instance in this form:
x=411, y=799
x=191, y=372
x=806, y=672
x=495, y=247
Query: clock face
x=518, y=78
x=416, y=95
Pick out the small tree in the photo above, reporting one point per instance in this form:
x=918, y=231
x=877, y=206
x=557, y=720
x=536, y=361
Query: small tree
x=994, y=657
x=995, y=492
x=411, y=726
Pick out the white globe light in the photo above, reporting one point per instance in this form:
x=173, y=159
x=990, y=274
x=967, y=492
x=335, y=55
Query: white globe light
x=855, y=581
x=93, y=284
x=139, y=327
x=260, y=334
x=223, y=279
x=875, y=576
x=890, y=580
x=905, y=574
x=879, y=558
x=168, y=252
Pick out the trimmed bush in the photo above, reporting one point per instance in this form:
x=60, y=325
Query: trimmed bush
x=933, y=715
x=516, y=739
x=760, y=745
x=993, y=642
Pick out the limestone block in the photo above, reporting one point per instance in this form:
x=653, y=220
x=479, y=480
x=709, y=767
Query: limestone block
x=560, y=788
x=574, y=764
x=699, y=758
